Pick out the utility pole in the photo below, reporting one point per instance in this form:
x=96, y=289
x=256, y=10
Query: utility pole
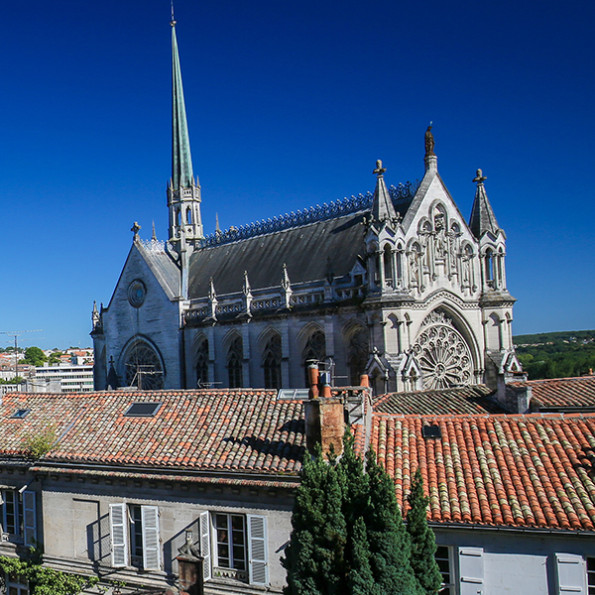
x=17, y=334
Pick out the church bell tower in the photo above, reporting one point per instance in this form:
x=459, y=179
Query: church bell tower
x=183, y=192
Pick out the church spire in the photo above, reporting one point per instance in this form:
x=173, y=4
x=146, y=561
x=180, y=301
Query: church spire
x=482, y=216
x=182, y=175
x=382, y=204
x=183, y=193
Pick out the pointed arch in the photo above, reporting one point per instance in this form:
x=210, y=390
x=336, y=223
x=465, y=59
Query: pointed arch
x=141, y=364
x=202, y=360
x=271, y=358
x=314, y=349
x=235, y=357
x=446, y=350
x=357, y=348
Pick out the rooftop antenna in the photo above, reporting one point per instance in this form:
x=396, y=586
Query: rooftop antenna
x=17, y=334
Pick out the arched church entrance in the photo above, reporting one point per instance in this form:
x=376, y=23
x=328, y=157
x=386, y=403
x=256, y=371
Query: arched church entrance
x=443, y=353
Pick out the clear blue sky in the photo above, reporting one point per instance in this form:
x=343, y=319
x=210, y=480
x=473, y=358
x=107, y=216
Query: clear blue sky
x=289, y=105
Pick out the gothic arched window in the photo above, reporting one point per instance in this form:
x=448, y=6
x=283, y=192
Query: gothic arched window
x=389, y=276
x=235, y=355
x=314, y=351
x=143, y=367
x=358, y=352
x=271, y=362
x=188, y=215
x=202, y=363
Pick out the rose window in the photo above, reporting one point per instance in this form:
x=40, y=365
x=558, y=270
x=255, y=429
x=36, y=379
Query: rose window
x=443, y=355
x=143, y=368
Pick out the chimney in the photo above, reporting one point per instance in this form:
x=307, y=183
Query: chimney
x=364, y=380
x=325, y=424
x=190, y=567
x=313, y=377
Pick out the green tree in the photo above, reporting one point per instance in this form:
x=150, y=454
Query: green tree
x=423, y=541
x=390, y=547
x=348, y=535
x=34, y=356
x=314, y=558
x=54, y=358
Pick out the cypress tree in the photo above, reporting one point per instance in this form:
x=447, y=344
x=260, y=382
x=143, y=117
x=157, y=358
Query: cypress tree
x=423, y=541
x=314, y=558
x=360, y=580
x=390, y=548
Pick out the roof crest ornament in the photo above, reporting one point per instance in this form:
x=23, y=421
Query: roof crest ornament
x=479, y=178
x=135, y=229
x=173, y=18
x=429, y=141
x=379, y=171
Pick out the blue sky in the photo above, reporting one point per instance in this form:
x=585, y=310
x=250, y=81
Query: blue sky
x=289, y=105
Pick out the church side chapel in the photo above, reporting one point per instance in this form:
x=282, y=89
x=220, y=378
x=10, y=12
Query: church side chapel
x=400, y=286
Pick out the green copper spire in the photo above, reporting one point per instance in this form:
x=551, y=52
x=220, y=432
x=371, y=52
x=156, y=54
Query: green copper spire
x=182, y=175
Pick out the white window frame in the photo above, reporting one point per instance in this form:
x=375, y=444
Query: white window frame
x=120, y=526
x=450, y=587
x=22, y=588
x=590, y=574
x=255, y=545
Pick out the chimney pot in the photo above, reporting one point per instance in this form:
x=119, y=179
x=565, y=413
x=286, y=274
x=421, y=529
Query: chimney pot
x=364, y=380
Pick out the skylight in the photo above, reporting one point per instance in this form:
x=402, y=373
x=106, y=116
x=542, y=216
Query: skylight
x=20, y=413
x=142, y=409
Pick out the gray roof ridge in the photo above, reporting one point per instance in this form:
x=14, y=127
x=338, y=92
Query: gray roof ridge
x=302, y=217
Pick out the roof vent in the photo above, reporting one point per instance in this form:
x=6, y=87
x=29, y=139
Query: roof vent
x=432, y=431
x=142, y=409
x=20, y=413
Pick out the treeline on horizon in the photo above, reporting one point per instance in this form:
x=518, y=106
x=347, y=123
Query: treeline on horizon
x=561, y=354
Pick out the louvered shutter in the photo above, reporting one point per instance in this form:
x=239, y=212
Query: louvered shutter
x=119, y=534
x=151, y=544
x=471, y=570
x=572, y=574
x=205, y=545
x=257, y=550
x=29, y=518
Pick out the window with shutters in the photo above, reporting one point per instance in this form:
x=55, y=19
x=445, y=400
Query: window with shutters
x=135, y=539
x=444, y=559
x=591, y=575
x=19, y=519
x=239, y=547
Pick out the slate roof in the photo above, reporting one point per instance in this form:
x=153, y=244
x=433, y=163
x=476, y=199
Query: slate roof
x=521, y=471
x=162, y=264
x=466, y=399
x=564, y=393
x=306, y=250
x=242, y=431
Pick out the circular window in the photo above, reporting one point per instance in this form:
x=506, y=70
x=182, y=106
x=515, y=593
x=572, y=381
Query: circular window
x=137, y=293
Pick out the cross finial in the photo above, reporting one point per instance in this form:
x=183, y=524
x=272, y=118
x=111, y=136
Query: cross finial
x=379, y=169
x=479, y=177
x=135, y=229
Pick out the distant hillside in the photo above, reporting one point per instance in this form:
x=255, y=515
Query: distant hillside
x=556, y=355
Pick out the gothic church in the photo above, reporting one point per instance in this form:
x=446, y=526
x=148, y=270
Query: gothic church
x=394, y=283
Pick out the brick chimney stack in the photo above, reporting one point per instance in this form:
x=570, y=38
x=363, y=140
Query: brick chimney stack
x=325, y=416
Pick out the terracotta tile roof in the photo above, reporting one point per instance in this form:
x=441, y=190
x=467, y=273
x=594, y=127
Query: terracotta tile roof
x=561, y=392
x=467, y=399
x=511, y=470
x=247, y=431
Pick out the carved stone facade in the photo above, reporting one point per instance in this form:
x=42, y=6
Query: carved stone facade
x=394, y=283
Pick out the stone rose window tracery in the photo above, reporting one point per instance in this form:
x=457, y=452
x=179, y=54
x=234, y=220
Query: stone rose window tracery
x=143, y=367
x=442, y=353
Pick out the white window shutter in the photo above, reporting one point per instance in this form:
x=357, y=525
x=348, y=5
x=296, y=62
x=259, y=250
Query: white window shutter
x=257, y=550
x=572, y=574
x=29, y=518
x=205, y=544
x=151, y=542
x=471, y=570
x=119, y=534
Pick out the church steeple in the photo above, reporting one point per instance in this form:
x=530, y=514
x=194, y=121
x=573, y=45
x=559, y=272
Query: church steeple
x=183, y=193
x=482, y=216
x=382, y=204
